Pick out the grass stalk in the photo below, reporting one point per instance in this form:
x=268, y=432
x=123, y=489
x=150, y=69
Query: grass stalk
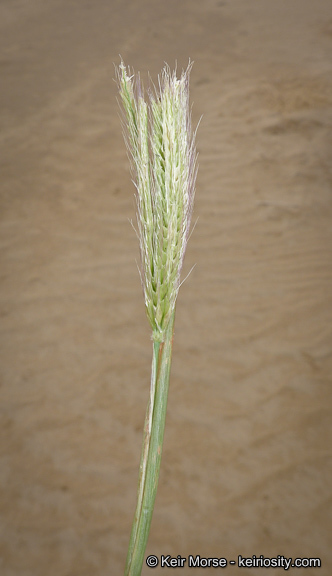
x=151, y=451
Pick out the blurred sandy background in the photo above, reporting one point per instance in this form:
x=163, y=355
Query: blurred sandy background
x=247, y=457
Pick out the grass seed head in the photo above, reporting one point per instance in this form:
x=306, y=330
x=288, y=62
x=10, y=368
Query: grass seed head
x=163, y=156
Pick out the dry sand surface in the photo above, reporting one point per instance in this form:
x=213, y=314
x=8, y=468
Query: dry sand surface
x=247, y=457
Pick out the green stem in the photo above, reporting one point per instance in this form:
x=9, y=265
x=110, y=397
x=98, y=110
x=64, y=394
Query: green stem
x=151, y=451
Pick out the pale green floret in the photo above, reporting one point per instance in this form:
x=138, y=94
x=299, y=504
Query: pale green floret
x=163, y=156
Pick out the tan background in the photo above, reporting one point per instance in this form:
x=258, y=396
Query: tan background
x=247, y=458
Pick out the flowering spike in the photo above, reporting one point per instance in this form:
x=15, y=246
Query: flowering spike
x=163, y=154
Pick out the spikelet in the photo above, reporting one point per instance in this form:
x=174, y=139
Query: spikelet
x=163, y=160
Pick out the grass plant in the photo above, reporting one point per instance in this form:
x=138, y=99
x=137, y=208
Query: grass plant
x=163, y=156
